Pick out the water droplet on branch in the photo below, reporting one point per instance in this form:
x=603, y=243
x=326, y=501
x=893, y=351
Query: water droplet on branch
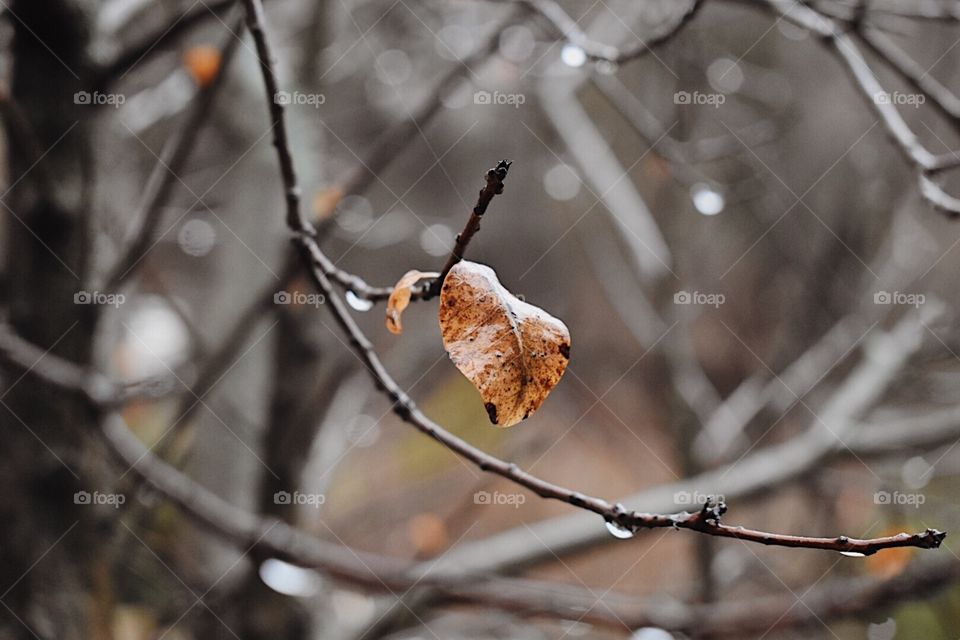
x=573, y=56
x=706, y=199
x=358, y=303
x=617, y=531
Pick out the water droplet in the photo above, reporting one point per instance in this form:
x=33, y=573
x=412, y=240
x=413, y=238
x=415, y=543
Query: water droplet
x=363, y=431
x=706, y=199
x=457, y=96
x=155, y=339
x=883, y=631
x=437, y=239
x=617, y=531
x=393, y=67
x=517, y=43
x=853, y=554
x=354, y=214
x=561, y=182
x=606, y=67
x=725, y=75
x=573, y=56
x=196, y=237
x=453, y=42
x=358, y=303
x=288, y=579
x=651, y=633
x=917, y=472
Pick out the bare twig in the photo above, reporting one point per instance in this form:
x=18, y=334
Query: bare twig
x=405, y=408
x=165, y=172
x=494, y=186
x=571, y=31
x=255, y=23
x=277, y=539
x=912, y=71
x=842, y=45
x=165, y=33
x=760, y=472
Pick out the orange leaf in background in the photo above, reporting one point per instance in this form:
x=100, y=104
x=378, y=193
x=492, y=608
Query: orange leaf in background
x=400, y=297
x=889, y=563
x=514, y=353
x=203, y=63
x=428, y=534
x=325, y=202
x=657, y=166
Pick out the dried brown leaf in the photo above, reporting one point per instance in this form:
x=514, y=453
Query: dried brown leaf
x=400, y=297
x=513, y=352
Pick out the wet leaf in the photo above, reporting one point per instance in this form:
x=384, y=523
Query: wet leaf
x=513, y=352
x=400, y=297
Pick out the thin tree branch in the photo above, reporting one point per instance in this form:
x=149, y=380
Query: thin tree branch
x=165, y=172
x=405, y=408
x=279, y=540
x=163, y=34
x=255, y=23
x=394, y=139
x=571, y=31
x=494, y=186
x=912, y=71
x=843, y=46
x=760, y=472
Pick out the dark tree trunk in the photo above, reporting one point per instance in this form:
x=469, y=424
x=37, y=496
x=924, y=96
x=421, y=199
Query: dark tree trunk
x=50, y=584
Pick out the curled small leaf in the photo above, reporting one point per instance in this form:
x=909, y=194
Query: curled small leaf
x=513, y=352
x=400, y=297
